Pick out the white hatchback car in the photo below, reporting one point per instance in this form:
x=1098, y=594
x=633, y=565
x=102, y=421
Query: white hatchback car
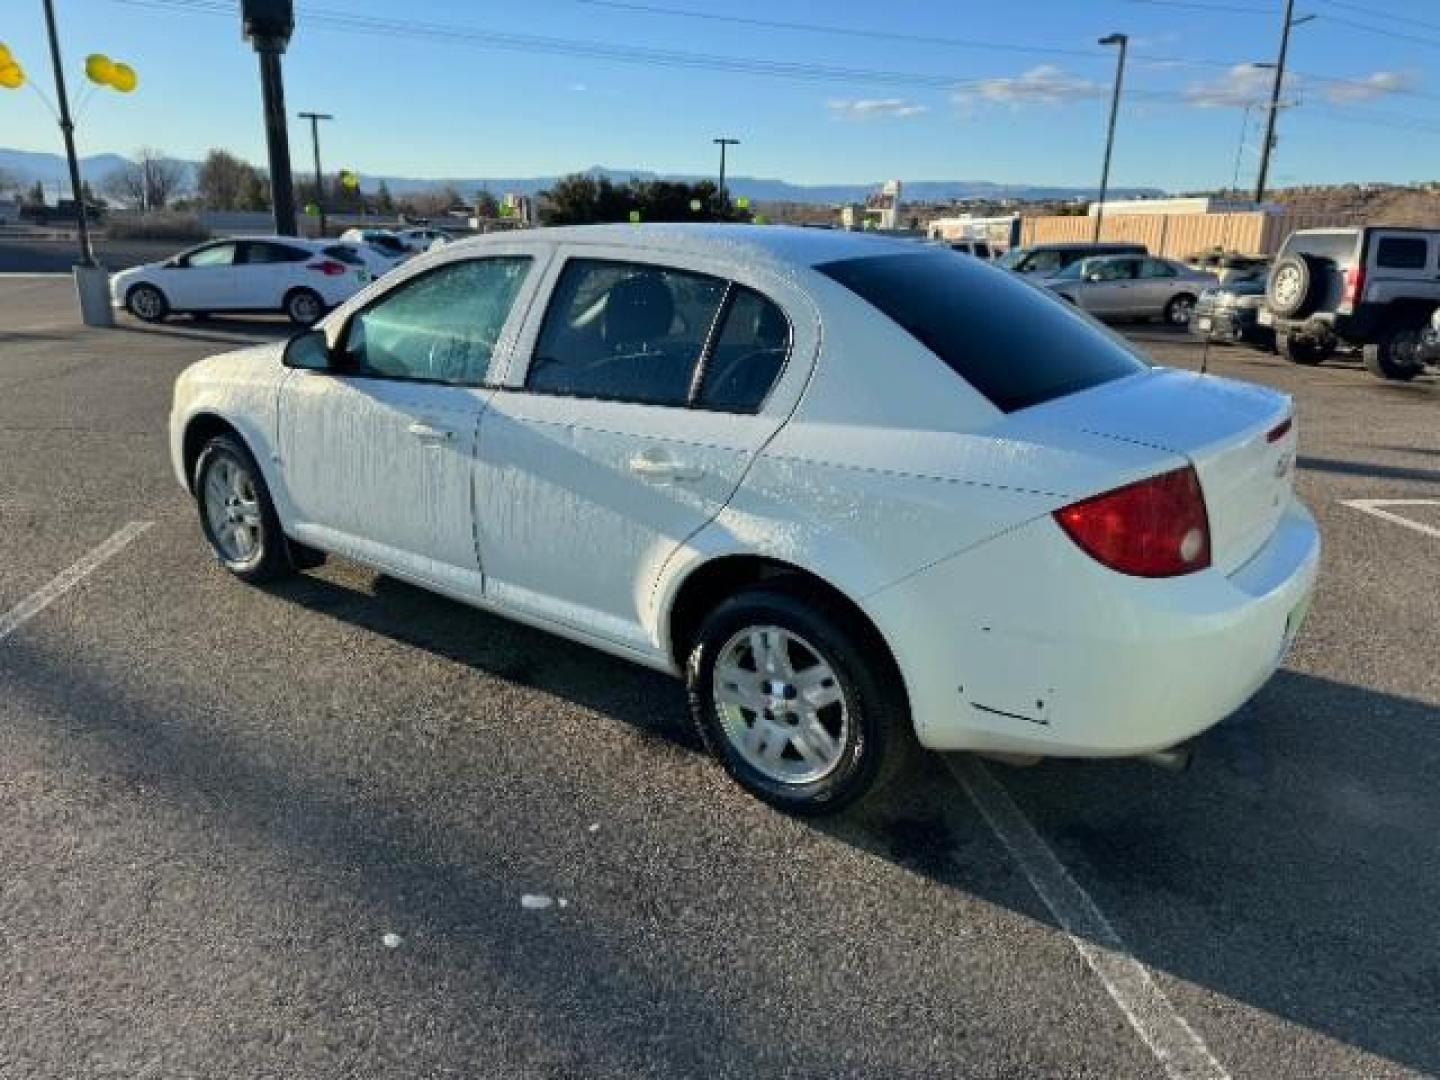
x=302, y=279
x=853, y=490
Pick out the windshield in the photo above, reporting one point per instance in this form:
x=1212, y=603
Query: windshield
x=1011, y=258
x=1017, y=344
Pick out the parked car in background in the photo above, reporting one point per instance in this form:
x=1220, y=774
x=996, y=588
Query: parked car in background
x=1373, y=287
x=421, y=239
x=384, y=241
x=1132, y=287
x=1048, y=259
x=63, y=212
x=303, y=279
x=673, y=443
x=981, y=249
x=1230, y=313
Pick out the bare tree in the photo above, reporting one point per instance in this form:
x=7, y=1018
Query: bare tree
x=221, y=179
x=149, y=182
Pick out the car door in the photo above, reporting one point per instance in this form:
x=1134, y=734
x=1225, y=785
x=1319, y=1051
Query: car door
x=1108, y=286
x=265, y=271
x=638, y=398
x=378, y=450
x=203, y=279
x=1157, y=283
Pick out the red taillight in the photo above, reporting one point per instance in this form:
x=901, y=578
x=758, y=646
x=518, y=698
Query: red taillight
x=1156, y=528
x=328, y=267
x=1354, y=285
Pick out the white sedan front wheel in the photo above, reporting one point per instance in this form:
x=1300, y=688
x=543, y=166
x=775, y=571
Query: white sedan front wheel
x=236, y=513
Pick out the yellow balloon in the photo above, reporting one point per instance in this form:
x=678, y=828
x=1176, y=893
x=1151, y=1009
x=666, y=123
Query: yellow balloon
x=11, y=76
x=123, y=78
x=99, y=69
x=5, y=56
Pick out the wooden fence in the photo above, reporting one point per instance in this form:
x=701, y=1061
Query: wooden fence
x=1180, y=235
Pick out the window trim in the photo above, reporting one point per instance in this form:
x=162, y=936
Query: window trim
x=342, y=337
x=702, y=362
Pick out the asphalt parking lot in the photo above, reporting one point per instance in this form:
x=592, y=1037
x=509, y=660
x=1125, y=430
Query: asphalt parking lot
x=216, y=803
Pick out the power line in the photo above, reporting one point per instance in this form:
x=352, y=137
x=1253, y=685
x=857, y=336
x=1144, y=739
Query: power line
x=1218, y=9
x=1398, y=35
x=663, y=58
x=1389, y=16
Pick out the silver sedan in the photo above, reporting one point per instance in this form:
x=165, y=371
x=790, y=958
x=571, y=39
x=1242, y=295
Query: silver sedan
x=1133, y=287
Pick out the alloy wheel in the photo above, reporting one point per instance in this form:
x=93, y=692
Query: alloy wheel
x=781, y=705
x=232, y=509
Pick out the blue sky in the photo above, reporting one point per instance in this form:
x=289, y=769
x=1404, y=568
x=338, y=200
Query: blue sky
x=428, y=91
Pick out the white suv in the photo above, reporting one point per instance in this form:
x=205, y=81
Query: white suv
x=1374, y=287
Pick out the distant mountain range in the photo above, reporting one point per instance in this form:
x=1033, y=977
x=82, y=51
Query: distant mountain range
x=28, y=166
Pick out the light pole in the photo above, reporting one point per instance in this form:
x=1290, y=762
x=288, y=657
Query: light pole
x=267, y=25
x=1289, y=23
x=723, y=143
x=1123, y=40
x=315, y=118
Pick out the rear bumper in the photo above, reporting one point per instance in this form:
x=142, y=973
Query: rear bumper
x=1226, y=324
x=1025, y=645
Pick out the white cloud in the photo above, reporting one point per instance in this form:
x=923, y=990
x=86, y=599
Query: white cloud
x=875, y=108
x=1043, y=85
x=1242, y=85
x=1369, y=87
x=1246, y=84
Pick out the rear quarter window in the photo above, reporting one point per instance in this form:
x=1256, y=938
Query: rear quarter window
x=1402, y=253
x=1014, y=343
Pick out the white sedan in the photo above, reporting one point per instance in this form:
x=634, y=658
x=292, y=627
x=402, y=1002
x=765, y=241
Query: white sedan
x=302, y=279
x=855, y=492
x=420, y=239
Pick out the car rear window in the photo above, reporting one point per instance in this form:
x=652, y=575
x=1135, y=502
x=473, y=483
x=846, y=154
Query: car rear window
x=1339, y=246
x=1402, y=253
x=1016, y=344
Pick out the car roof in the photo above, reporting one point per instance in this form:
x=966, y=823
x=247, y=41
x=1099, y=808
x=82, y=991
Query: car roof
x=303, y=241
x=1087, y=245
x=773, y=244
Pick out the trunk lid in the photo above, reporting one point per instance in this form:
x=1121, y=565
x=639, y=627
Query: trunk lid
x=1239, y=437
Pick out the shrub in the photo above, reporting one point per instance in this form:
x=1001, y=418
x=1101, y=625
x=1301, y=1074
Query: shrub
x=162, y=225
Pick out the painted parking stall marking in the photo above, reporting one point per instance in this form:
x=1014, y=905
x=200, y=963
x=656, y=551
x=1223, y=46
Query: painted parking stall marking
x=1180, y=1051
x=1379, y=508
x=68, y=578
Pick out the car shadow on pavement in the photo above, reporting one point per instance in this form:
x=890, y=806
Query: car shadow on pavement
x=1370, y=469
x=237, y=332
x=1294, y=868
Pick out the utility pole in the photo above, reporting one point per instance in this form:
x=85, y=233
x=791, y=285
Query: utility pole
x=1123, y=40
x=1289, y=23
x=67, y=128
x=315, y=118
x=723, y=143
x=267, y=25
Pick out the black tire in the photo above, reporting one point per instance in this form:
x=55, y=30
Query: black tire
x=147, y=303
x=270, y=558
x=304, y=307
x=1180, y=310
x=1395, y=356
x=1294, y=285
x=1303, y=350
x=875, y=742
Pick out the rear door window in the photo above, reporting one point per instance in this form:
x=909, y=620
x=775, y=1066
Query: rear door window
x=253, y=252
x=621, y=331
x=1014, y=343
x=1402, y=253
x=1156, y=268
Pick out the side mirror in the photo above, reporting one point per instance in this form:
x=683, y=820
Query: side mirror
x=309, y=351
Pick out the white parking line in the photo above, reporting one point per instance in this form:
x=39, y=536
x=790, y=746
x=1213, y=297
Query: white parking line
x=1375, y=507
x=67, y=579
x=1180, y=1051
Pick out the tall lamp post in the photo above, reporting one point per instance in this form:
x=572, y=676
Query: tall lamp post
x=315, y=118
x=723, y=143
x=1123, y=40
x=267, y=25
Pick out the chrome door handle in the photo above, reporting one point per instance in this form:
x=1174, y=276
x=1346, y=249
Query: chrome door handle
x=653, y=468
x=429, y=433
